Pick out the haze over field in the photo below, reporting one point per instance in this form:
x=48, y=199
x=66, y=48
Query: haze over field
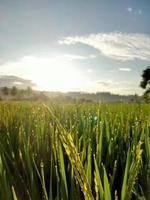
x=74, y=45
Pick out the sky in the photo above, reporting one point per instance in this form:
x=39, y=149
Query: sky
x=75, y=45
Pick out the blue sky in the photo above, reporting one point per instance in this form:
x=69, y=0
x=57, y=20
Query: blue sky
x=80, y=45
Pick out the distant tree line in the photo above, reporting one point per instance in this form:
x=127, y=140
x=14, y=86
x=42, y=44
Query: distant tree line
x=15, y=92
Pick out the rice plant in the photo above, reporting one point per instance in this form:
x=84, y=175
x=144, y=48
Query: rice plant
x=74, y=151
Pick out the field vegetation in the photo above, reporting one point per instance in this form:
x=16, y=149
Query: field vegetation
x=74, y=151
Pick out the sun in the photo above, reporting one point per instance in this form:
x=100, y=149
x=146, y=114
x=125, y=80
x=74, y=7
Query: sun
x=52, y=73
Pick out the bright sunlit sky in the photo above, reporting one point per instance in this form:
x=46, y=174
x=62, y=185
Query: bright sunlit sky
x=75, y=45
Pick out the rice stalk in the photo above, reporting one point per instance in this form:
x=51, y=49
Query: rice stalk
x=133, y=172
x=67, y=142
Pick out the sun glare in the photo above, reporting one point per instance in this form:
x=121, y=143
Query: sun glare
x=54, y=74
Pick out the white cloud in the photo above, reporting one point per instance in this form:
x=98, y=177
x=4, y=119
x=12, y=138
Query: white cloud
x=71, y=57
x=104, y=83
x=89, y=70
x=129, y=9
x=140, y=12
x=74, y=57
x=116, y=87
x=125, y=69
x=135, y=11
x=119, y=46
x=92, y=56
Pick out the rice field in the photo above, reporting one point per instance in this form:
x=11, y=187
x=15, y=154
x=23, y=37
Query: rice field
x=74, y=151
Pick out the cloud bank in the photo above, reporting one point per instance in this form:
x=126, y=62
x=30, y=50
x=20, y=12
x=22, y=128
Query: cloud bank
x=10, y=81
x=118, y=87
x=118, y=46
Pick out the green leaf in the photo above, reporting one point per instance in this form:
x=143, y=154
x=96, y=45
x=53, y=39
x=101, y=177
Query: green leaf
x=107, y=192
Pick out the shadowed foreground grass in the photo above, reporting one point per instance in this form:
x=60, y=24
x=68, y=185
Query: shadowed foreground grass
x=74, y=151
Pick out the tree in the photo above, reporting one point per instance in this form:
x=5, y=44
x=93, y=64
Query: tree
x=29, y=91
x=5, y=91
x=14, y=91
x=145, y=83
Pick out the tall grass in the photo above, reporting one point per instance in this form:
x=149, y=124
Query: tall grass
x=74, y=151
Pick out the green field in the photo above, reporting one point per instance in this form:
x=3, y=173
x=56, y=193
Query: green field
x=74, y=151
